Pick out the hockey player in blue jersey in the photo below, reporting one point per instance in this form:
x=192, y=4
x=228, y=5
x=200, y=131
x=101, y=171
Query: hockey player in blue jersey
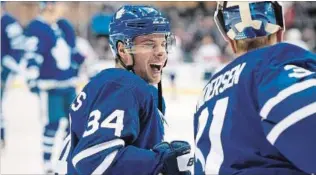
x=258, y=114
x=11, y=51
x=52, y=61
x=116, y=127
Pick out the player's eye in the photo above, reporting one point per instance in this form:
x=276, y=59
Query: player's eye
x=149, y=45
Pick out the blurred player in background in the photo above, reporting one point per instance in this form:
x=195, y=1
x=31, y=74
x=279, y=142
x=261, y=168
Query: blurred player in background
x=116, y=127
x=100, y=32
x=174, y=59
x=258, y=114
x=52, y=62
x=294, y=36
x=12, y=39
x=99, y=27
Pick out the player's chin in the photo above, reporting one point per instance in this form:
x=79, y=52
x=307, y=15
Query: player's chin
x=154, y=78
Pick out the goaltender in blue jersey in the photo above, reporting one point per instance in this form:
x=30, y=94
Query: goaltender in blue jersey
x=116, y=126
x=258, y=114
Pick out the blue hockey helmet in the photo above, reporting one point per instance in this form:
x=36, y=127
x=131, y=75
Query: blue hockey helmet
x=242, y=20
x=131, y=21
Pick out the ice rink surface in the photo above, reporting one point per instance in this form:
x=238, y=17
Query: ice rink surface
x=23, y=151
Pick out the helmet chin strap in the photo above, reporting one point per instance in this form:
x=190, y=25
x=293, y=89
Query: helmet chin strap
x=160, y=90
x=160, y=100
x=160, y=96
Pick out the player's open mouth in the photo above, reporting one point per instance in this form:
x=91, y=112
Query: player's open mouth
x=156, y=67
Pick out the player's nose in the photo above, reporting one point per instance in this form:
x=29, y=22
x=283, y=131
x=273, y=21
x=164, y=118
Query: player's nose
x=160, y=53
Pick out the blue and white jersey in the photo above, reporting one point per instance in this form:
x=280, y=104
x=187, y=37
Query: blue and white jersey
x=258, y=115
x=70, y=37
x=11, y=45
x=50, y=49
x=114, y=122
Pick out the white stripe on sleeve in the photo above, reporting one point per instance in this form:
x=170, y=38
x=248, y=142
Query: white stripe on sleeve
x=290, y=120
x=106, y=163
x=95, y=149
x=272, y=102
x=61, y=164
x=67, y=142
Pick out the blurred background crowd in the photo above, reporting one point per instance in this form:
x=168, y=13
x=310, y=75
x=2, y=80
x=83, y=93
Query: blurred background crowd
x=198, y=39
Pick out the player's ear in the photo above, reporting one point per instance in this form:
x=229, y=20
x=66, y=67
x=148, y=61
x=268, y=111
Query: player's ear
x=232, y=44
x=122, y=53
x=120, y=48
x=280, y=35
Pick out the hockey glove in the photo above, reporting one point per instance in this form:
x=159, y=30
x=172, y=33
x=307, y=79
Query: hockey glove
x=176, y=158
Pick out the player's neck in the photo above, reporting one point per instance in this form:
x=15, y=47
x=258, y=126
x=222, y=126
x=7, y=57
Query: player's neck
x=47, y=18
x=118, y=65
x=238, y=54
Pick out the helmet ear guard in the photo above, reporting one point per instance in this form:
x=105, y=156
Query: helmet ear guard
x=243, y=20
x=278, y=14
x=219, y=20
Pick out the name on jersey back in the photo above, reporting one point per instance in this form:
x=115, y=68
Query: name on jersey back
x=221, y=83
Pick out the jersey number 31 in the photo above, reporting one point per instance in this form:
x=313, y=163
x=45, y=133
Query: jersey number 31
x=215, y=157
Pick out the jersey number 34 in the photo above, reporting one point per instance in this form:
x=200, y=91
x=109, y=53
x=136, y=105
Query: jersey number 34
x=94, y=123
x=95, y=115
